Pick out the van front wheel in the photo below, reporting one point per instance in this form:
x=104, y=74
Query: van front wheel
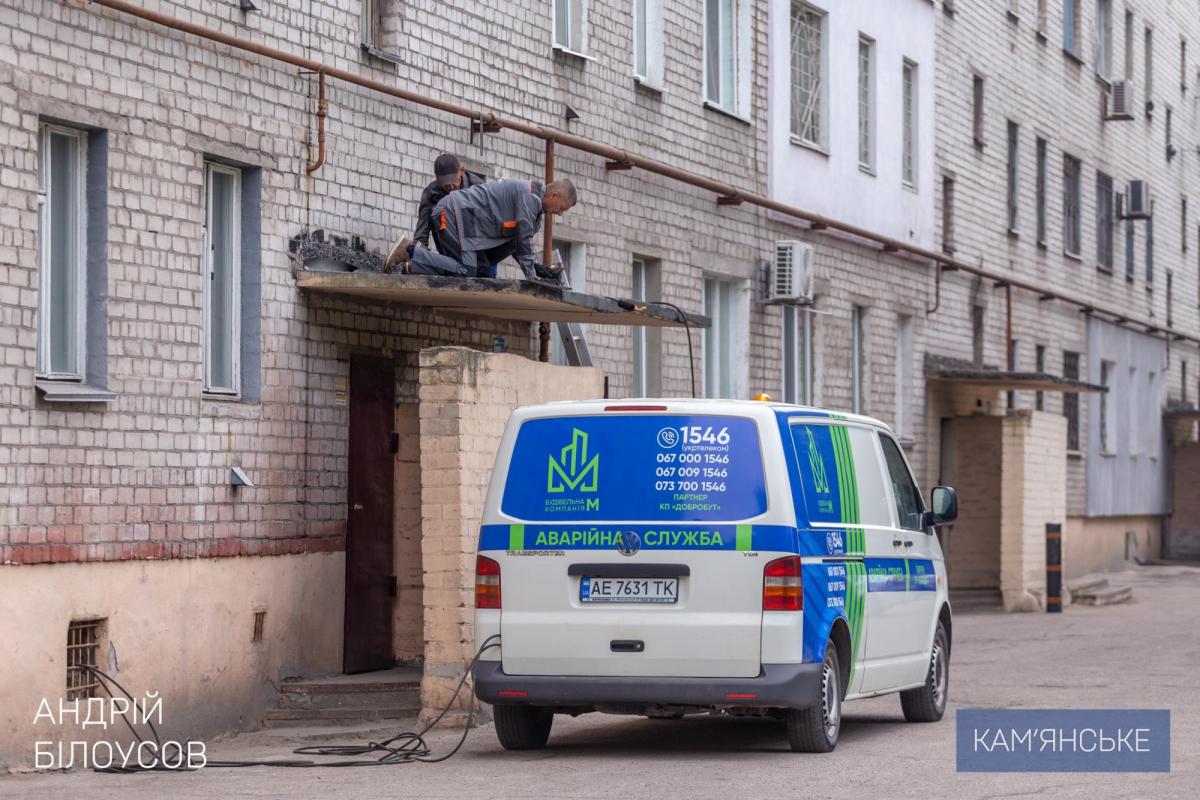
x=927, y=703
x=522, y=727
x=815, y=729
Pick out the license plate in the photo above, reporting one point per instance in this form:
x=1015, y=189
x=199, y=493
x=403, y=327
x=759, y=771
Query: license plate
x=628, y=590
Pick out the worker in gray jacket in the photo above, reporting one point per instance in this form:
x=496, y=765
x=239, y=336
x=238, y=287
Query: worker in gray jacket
x=480, y=226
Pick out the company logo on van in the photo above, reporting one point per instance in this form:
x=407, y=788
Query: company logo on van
x=628, y=543
x=574, y=470
x=817, y=465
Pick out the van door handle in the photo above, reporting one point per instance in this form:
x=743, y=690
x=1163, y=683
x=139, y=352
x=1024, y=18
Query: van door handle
x=908, y=543
x=896, y=542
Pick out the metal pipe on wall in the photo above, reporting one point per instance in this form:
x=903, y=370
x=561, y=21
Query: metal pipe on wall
x=322, y=112
x=547, y=253
x=729, y=194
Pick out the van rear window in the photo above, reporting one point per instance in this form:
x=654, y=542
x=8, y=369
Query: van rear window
x=620, y=467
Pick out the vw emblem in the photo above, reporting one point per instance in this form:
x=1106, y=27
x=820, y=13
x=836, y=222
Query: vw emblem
x=628, y=543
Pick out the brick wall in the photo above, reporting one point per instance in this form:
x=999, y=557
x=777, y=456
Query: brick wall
x=466, y=399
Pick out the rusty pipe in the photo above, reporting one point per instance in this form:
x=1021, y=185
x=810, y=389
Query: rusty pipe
x=609, y=153
x=322, y=112
x=547, y=252
x=937, y=290
x=1008, y=325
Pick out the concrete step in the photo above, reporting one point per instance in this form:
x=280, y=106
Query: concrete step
x=1086, y=584
x=1106, y=596
x=392, y=688
x=306, y=717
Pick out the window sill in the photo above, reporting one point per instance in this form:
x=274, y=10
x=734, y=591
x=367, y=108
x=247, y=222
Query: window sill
x=1012, y=233
x=1041, y=243
x=732, y=114
x=1041, y=36
x=1073, y=256
x=1103, y=270
x=1075, y=455
x=807, y=145
x=646, y=84
x=1107, y=454
x=72, y=392
x=1072, y=56
x=221, y=396
x=383, y=55
x=566, y=51
x=910, y=187
x=866, y=169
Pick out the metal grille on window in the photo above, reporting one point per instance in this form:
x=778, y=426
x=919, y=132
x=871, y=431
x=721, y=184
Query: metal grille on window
x=909, y=166
x=866, y=156
x=806, y=74
x=1104, y=221
x=1071, y=400
x=1071, y=221
x=83, y=646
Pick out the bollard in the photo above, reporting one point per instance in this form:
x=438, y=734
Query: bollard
x=1053, y=567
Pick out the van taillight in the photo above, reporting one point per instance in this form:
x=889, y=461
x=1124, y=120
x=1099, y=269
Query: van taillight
x=487, y=583
x=782, y=590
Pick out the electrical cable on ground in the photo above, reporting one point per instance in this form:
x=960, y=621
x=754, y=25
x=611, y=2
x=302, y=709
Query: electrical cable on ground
x=404, y=748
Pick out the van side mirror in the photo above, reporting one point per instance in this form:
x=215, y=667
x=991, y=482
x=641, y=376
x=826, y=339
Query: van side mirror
x=944, y=502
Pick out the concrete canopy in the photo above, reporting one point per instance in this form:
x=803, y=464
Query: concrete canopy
x=526, y=301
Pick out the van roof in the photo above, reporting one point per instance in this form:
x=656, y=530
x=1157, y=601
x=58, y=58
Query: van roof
x=676, y=404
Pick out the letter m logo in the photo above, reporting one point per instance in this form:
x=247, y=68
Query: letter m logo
x=574, y=470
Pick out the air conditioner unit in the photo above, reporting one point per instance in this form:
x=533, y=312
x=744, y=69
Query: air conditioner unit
x=1120, y=100
x=792, y=278
x=1137, y=200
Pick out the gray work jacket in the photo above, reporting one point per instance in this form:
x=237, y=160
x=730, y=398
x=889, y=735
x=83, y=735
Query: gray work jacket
x=496, y=213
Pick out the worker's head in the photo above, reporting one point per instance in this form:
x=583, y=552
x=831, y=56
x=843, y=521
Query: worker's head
x=448, y=171
x=559, y=196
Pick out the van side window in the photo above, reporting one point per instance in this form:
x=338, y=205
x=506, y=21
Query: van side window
x=842, y=481
x=908, y=498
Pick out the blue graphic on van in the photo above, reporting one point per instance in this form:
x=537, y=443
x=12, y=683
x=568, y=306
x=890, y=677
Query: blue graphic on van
x=617, y=467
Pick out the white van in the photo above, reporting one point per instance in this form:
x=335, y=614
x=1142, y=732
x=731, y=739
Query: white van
x=669, y=557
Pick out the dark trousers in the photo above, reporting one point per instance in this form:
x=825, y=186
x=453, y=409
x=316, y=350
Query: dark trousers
x=449, y=258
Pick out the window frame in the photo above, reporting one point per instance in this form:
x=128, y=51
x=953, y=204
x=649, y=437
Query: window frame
x=1072, y=206
x=1102, y=40
x=43, y=355
x=1012, y=176
x=866, y=104
x=797, y=352
x=572, y=48
x=948, y=189
x=1041, y=193
x=1105, y=222
x=978, y=97
x=1072, y=29
x=651, y=28
x=724, y=372
x=208, y=266
x=858, y=367
x=638, y=293
x=1070, y=407
x=904, y=375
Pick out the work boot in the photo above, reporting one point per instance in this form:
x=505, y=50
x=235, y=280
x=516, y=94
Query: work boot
x=398, y=255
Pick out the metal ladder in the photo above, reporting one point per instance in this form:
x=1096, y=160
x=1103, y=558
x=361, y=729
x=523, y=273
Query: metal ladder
x=574, y=344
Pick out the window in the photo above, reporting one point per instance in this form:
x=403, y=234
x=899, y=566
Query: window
x=866, y=103
x=1150, y=247
x=857, y=359
x=948, y=215
x=62, y=273
x=1014, y=8
x=808, y=32
x=908, y=170
x=1042, y=21
x=1071, y=26
x=724, y=342
x=570, y=25
x=977, y=329
x=1130, y=266
x=1183, y=383
x=647, y=341
x=1170, y=298
x=1013, y=361
x=909, y=508
x=1131, y=395
x=1104, y=221
x=1039, y=356
x=648, y=42
x=1103, y=43
x=1183, y=224
x=1170, y=134
x=1148, y=63
x=1128, y=45
x=904, y=357
x=368, y=26
x=797, y=355
x=977, y=110
x=83, y=649
x=1108, y=438
x=1070, y=371
x=1040, y=192
x=1183, y=81
x=222, y=287
x=726, y=43
x=1072, y=233
x=1013, y=193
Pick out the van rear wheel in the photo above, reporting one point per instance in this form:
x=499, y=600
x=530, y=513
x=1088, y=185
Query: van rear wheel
x=522, y=727
x=815, y=729
x=927, y=703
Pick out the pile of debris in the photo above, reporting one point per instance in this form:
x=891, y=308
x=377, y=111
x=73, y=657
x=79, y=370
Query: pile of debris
x=338, y=254
x=1096, y=591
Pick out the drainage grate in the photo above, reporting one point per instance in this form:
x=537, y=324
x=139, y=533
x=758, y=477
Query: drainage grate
x=83, y=648
x=260, y=618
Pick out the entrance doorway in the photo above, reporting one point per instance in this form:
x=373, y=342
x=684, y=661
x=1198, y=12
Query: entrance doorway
x=370, y=580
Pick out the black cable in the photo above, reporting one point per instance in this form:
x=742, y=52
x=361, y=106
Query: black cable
x=403, y=748
x=629, y=305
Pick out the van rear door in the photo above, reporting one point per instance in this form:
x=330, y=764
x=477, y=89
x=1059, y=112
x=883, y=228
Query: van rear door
x=629, y=551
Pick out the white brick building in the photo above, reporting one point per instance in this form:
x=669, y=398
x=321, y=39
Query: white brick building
x=152, y=334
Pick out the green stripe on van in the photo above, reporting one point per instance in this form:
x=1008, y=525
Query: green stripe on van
x=744, y=537
x=516, y=537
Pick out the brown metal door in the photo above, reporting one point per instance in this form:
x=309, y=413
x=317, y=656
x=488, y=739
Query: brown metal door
x=370, y=584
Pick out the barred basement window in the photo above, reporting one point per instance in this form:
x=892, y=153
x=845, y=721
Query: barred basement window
x=83, y=650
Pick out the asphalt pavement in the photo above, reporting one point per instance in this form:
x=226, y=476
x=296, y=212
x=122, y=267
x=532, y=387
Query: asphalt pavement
x=1141, y=654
